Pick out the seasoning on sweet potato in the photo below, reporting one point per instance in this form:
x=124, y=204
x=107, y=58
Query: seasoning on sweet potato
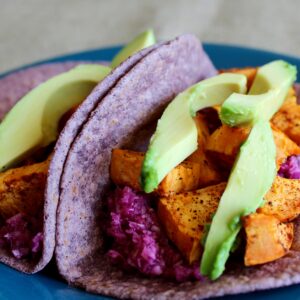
x=283, y=199
x=22, y=189
x=223, y=145
x=185, y=215
x=267, y=238
x=287, y=119
x=125, y=170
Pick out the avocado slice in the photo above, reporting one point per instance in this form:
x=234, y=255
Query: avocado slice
x=265, y=97
x=175, y=137
x=33, y=122
x=143, y=40
x=250, y=179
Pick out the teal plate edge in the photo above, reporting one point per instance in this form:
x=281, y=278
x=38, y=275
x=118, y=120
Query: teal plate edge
x=45, y=285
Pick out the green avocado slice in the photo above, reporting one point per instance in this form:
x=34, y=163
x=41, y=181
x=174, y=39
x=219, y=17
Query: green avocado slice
x=143, y=40
x=175, y=137
x=250, y=179
x=33, y=122
x=268, y=91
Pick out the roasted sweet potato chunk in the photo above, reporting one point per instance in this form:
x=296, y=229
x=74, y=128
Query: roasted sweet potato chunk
x=267, y=238
x=185, y=215
x=126, y=167
x=22, y=189
x=224, y=144
x=287, y=119
x=283, y=199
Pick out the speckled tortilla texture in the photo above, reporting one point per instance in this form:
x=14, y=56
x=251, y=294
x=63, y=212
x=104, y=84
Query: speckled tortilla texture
x=122, y=113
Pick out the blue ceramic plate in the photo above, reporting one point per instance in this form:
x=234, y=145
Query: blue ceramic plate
x=47, y=284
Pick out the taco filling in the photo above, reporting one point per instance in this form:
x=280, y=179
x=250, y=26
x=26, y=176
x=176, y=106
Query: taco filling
x=219, y=181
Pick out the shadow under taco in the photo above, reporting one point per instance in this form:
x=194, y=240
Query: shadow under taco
x=89, y=215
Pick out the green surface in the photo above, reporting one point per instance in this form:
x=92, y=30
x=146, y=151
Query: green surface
x=251, y=177
x=267, y=93
x=175, y=137
x=33, y=122
x=143, y=40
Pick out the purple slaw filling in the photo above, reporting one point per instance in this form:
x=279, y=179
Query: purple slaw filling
x=21, y=236
x=139, y=243
x=290, y=168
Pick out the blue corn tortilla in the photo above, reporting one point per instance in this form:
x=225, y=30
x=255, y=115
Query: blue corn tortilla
x=123, y=119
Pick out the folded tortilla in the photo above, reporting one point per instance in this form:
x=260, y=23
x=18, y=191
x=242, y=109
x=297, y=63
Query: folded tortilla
x=12, y=88
x=120, y=121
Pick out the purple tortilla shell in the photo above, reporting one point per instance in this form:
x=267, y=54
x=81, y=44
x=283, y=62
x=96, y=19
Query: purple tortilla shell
x=135, y=101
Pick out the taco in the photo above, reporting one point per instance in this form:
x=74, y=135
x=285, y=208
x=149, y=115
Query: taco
x=27, y=219
x=27, y=203
x=92, y=251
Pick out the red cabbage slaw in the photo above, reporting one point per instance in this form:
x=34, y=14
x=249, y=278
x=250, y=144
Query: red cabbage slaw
x=139, y=242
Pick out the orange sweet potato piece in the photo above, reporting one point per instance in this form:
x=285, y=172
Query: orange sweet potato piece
x=22, y=189
x=184, y=216
x=125, y=169
x=267, y=238
x=287, y=119
x=224, y=144
x=283, y=199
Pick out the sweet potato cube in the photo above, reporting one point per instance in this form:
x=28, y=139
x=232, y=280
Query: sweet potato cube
x=185, y=177
x=185, y=215
x=267, y=238
x=125, y=169
x=22, y=189
x=224, y=144
x=287, y=119
x=283, y=199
